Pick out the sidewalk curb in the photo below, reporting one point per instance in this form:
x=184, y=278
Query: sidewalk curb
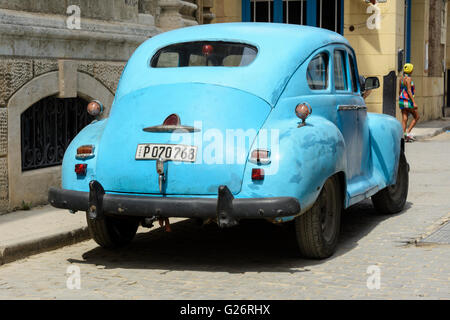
x=24, y=249
x=431, y=135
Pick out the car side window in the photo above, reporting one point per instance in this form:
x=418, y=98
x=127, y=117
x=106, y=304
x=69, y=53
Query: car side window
x=317, y=73
x=340, y=70
x=353, y=72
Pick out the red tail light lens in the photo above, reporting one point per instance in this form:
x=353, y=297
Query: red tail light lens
x=172, y=120
x=80, y=169
x=258, y=174
x=85, y=152
x=260, y=156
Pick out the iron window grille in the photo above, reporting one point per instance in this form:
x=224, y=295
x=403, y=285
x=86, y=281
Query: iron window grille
x=48, y=127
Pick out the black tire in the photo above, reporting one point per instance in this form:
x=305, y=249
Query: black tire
x=317, y=230
x=392, y=199
x=111, y=232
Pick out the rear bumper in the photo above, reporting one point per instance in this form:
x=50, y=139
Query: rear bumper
x=225, y=207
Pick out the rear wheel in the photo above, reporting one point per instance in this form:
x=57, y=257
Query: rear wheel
x=317, y=230
x=392, y=199
x=111, y=232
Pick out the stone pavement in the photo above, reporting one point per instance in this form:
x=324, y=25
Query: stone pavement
x=429, y=129
x=23, y=233
x=258, y=260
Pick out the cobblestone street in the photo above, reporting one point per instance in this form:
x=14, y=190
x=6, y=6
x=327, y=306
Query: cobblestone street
x=257, y=260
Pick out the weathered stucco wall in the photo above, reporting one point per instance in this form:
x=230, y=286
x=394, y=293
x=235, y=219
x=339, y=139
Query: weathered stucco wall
x=376, y=49
x=227, y=11
x=428, y=56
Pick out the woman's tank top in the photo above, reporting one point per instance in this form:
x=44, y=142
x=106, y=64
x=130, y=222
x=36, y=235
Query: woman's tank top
x=404, y=90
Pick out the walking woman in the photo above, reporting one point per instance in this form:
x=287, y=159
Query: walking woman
x=406, y=101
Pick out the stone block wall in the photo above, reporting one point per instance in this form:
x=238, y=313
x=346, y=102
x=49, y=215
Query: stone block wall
x=15, y=73
x=36, y=48
x=3, y=160
x=109, y=10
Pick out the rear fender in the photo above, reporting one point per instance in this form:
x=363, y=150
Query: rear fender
x=301, y=162
x=91, y=134
x=386, y=136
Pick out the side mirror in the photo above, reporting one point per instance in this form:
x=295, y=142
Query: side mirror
x=371, y=83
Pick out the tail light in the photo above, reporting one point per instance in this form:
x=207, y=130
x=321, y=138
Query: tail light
x=303, y=111
x=95, y=108
x=257, y=174
x=260, y=156
x=85, y=152
x=172, y=120
x=80, y=169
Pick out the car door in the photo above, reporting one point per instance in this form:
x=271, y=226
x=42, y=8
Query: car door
x=351, y=111
x=363, y=126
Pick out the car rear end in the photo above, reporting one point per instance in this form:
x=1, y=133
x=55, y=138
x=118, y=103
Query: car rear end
x=175, y=149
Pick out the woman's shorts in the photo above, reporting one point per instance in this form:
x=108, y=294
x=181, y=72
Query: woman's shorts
x=405, y=104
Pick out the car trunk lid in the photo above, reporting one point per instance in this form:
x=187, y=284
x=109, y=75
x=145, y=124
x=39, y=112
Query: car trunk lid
x=214, y=111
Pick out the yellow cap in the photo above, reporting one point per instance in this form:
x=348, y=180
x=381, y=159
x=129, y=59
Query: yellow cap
x=408, y=68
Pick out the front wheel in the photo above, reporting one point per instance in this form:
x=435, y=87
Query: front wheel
x=111, y=232
x=317, y=230
x=392, y=199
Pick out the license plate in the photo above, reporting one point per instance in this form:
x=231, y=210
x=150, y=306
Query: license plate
x=167, y=152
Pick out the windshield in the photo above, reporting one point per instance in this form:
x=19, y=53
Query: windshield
x=204, y=53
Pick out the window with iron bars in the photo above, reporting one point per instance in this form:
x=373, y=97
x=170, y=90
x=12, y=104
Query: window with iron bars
x=327, y=14
x=48, y=127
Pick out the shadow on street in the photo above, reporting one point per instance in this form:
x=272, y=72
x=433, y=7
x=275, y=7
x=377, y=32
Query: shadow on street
x=253, y=246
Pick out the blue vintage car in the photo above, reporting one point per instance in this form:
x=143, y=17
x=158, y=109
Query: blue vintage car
x=235, y=121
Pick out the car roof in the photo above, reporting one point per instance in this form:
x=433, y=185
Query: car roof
x=281, y=49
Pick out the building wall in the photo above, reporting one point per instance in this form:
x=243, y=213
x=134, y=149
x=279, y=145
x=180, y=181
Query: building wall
x=227, y=11
x=447, y=61
x=108, y=10
x=41, y=56
x=428, y=56
x=447, y=47
x=377, y=49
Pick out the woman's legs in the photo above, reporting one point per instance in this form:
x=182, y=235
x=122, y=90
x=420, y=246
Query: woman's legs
x=404, y=119
x=414, y=121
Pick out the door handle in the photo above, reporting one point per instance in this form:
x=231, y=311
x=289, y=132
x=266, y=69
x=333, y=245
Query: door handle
x=351, y=108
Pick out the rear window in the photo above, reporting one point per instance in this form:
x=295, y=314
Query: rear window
x=204, y=54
